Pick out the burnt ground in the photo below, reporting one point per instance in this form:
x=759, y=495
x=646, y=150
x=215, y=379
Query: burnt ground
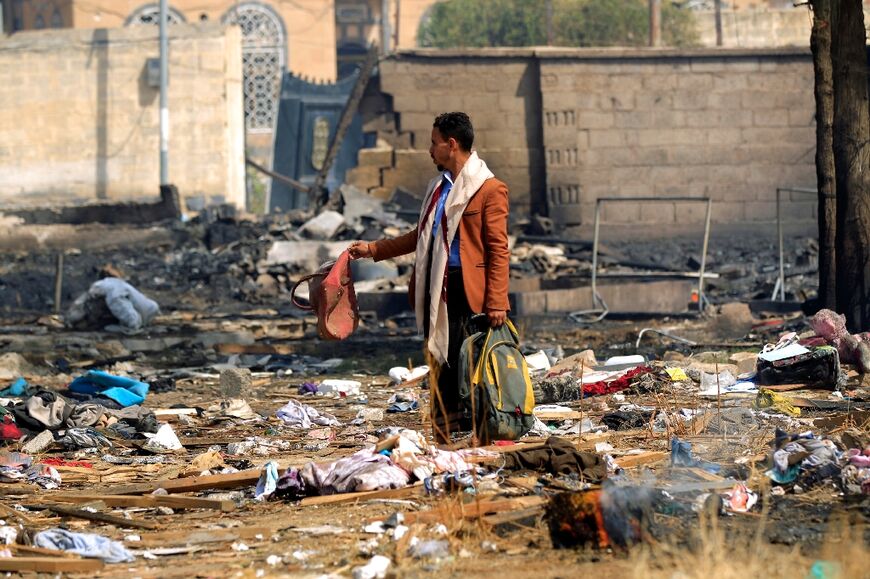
x=211, y=310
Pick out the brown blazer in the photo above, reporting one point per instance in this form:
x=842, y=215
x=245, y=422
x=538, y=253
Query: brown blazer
x=483, y=248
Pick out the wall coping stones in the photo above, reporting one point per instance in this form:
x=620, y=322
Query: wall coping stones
x=615, y=53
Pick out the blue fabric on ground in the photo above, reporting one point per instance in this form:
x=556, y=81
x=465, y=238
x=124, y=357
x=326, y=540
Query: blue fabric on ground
x=125, y=391
x=17, y=388
x=403, y=406
x=681, y=455
x=84, y=544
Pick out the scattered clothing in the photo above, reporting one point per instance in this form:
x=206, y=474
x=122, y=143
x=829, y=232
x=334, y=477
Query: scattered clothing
x=78, y=438
x=44, y=475
x=17, y=388
x=559, y=456
x=9, y=430
x=268, y=482
x=123, y=390
x=804, y=459
x=84, y=544
x=681, y=455
x=112, y=300
x=298, y=415
x=852, y=349
x=403, y=406
x=307, y=388
x=776, y=401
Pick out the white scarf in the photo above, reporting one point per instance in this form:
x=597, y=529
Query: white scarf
x=465, y=185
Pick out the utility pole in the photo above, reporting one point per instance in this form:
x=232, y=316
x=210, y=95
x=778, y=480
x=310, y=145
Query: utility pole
x=385, y=26
x=655, y=23
x=717, y=5
x=550, y=34
x=164, y=107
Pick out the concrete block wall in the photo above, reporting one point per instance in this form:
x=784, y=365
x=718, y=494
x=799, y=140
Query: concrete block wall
x=79, y=122
x=730, y=126
x=564, y=127
x=759, y=28
x=500, y=92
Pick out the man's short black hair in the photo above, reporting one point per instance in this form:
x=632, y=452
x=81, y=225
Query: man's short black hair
x=457, y=126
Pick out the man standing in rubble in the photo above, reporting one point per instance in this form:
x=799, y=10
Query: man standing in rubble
x=462, y=260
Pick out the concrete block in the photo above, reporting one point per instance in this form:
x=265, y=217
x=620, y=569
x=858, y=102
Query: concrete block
x=695, y=81
x=235, y=382
x=594, y=120
x=771, y=118
x=375, y=157
x=528, y=303
x=39, y=443
x=364, y=177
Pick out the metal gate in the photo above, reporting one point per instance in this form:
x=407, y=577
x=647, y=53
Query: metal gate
x=308, y=114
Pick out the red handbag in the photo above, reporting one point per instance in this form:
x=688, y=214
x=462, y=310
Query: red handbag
x=332, y=298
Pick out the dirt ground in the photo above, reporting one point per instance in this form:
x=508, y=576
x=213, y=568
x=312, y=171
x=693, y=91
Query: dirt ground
x=784, y=537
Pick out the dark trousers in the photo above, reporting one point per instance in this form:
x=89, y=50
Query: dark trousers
x=447, y=414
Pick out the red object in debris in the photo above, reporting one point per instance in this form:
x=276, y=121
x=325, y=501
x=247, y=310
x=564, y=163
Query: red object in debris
x=62, y=462
x=332, y=298
x=504, y=442
x=9, y=430
x=621, y=383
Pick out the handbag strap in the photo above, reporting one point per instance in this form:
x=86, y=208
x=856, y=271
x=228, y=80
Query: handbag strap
x=293, y=299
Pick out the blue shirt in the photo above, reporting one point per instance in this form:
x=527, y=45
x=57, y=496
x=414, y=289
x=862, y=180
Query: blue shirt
x=446, y=187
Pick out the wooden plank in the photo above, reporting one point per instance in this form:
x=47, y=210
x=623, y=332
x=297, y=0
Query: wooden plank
x=785, y=387
x=452, y=511
x=201, y=536
x=511, y=516
x=15, y=513
x=102, y=518
x=635, y=460
x=50, y=564
x=361, y=496
x=279, y=349
x=556, y=415
x=172, y=501
x=41, y=551
x=190, y=484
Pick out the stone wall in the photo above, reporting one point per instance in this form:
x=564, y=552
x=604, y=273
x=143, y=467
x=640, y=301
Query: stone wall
x=759, y=28
x=731, y=126
x=501, y=94
x=79, y=121
x=564, y=127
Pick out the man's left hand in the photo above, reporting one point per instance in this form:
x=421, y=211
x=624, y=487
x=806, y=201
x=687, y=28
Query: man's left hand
x=496, y=317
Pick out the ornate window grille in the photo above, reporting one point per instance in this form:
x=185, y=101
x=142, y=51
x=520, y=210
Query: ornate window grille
x=264, y=49
x=150, y=14
x=46, y=13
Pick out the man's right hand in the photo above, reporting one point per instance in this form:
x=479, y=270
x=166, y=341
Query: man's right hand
x=360, y=249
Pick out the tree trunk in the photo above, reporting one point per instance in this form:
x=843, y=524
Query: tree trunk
x=820, y=42
x=851, y=132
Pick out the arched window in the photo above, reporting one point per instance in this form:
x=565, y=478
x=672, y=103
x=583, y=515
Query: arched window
x=264, y=56
x=150, y=14
x=56, y=19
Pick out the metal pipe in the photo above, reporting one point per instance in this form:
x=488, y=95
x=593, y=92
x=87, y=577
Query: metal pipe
x=704, y=256
x=663, y=333
x=385, y=26
x=164, y=107
x=717, y=7
x=58, y=283
x=781, y=249
x=597, y=300
x=550, y=32
x=655, y=23
x=595, y=253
